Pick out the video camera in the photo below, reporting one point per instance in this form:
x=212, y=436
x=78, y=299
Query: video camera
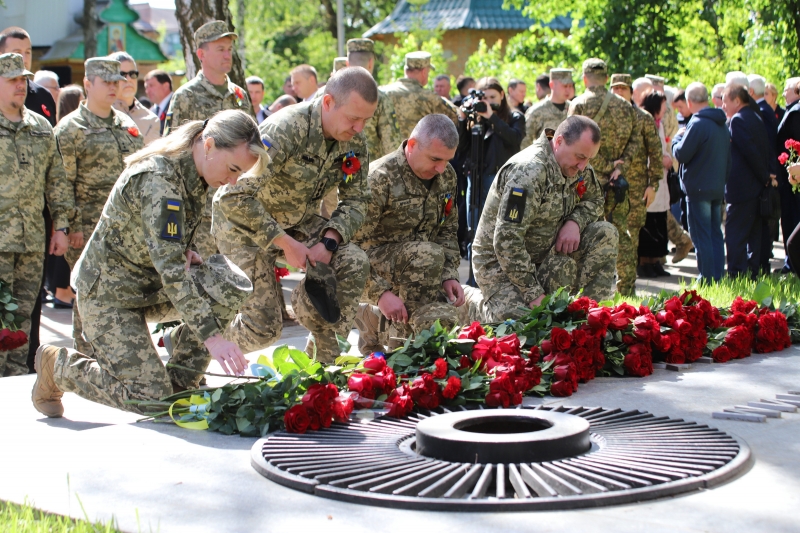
x=474, y=104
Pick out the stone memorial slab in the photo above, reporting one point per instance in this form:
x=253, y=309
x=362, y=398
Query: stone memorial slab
x=742, y=417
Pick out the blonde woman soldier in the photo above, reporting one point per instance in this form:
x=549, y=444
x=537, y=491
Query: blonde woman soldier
x=139, y=265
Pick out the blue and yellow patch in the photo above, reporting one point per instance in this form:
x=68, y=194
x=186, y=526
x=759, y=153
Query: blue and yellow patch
x=172, y=227
x=515, y=207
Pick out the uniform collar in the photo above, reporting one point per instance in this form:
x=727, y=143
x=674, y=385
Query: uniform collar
x=27, y=120
x=597, y=89
x=315, y=143
x=202, y=80
x=409, y=81
x=94, y=121
x=412, y=181
x=191, y=178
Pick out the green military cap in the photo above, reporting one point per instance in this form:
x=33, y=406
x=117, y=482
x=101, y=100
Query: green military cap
x=564, y=75
x=12, y=66
x=106, y=69
x=360, y=45
x=655, y=79
x=320, y=285
x=418, y=60
x=621, y=79
x=223, y=281
x=595, y=66
x=339, y=63
x=211, y=31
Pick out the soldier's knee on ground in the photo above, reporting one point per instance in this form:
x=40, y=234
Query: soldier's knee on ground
x=425, y=316
x=600, y=234
x=556, y=271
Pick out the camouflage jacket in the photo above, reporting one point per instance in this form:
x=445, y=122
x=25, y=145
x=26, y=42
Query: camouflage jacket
x=136, y=254
x=31, y=168
x=528, y=203
x=259, y=209
x=540, y=116
x=645, y=169
x=617, y=138
x=412, y=101
x=402, y=209
x=381, y=131
x=93, y=154
x=197, y=99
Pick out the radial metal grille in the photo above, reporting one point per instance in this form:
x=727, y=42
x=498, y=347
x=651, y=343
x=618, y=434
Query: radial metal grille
x=635, y=456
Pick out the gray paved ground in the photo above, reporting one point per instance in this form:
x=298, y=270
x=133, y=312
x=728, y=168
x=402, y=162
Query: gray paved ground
x=157, y=477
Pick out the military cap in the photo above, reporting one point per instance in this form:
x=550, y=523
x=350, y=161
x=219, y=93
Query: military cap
x=655, y=79
x=224, y=281
x=418, y=60
x=106, y=69
x=12, y=66
x=360, y=45
x=211, y=31
x=339, y=63
x=320, y=285
x=564, y=75
x=595, y=66
x=621, y=79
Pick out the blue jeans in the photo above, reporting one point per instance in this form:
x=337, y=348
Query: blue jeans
x=705, y=229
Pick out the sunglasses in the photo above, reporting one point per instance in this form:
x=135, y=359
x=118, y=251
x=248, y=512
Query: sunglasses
x=133, y=74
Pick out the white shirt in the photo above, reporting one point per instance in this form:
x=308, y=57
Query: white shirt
x=661, y=201
x=162, y=106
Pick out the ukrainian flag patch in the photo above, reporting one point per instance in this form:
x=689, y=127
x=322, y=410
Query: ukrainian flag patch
x=515, y=207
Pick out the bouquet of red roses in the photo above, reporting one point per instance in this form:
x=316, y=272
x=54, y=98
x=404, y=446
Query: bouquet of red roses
x=10, y=336
x=791, y=157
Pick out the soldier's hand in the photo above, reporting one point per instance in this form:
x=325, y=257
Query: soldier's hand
x=393, y=307
x=454, y=292
x=192, y=258
x=618, y=162
x=76, y=239
x=615, y=174
x=227, y=354
x=649, y=196
x=666, y=161
x=318, y=252
x=294, y=251
x=569, y=237
x=537, y=301
x=58, y=243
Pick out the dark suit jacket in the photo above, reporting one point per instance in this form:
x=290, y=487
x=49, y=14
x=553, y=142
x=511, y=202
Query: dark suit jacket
x=39, y=100
x=749, y=157
x=771, y=123
x=789, y=128
x=779, y=112
x=162, y=113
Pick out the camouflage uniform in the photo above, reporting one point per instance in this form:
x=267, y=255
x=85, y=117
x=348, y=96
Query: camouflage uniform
x=93, y=153
x=411, y=101
x=198, y=99
x=251, y=214
x=513, y=253
x=132, y=272
x=410, y=239
x=30, y=167
x=545, y=114
x=619, y=139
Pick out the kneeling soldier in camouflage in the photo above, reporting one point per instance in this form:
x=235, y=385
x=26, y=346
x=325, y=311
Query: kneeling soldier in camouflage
x=138, y=266
x=539, y=228
x=410, y=238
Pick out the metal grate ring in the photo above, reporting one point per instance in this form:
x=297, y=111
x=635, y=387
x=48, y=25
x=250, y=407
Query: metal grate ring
x=634, y=456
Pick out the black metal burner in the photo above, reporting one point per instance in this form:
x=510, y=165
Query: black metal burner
x=527, y=459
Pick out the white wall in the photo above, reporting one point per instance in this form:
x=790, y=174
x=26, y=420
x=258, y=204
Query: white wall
x=57, y=22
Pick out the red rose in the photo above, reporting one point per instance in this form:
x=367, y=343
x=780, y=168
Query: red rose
x=579, y=337
x=684, y=327
x=474, y=331
x=581, y=306
x=599, y=319
x=319, y=398
x=661, y=342
x=296, y=419
x=782, y=159
x=360, y=383
x=374, y=364
x=508, y=344
x=533, y=356
x=638, y=362
x=498, y=399
x=789, y=144
x=619, y=321
x=566, y=373
x=425, y=392
x=547, y=347
x=561, y=339
x=401, y=402
x=502, y=382
x=133, y=131
x=441, y=368
x=342, y=408
x=562, y=388
x=464, y=362
x=722, y=354
x=484, y=349
x=451, y=389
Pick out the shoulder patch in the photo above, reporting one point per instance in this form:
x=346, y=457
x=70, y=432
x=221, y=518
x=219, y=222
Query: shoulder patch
x=271, y=146
x=172, y=217
x=515, y=207
x=168, y=122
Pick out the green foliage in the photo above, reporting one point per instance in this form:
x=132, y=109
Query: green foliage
x=16, y=518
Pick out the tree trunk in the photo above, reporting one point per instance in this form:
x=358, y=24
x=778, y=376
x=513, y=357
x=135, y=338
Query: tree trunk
x=89, y=29
x=241, y=10
x=192, y=14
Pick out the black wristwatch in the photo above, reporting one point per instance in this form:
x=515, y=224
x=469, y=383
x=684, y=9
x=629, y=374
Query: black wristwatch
x=65, y=230
x=330, y=244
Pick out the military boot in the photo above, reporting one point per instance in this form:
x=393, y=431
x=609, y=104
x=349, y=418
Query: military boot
x=46, y=395
x=368, y=324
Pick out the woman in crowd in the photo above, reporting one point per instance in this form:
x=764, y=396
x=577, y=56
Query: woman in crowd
x=793, y=244
x=145, y=120
x=139, y=266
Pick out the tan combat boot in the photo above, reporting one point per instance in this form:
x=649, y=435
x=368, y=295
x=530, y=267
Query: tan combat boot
x=368, y=324
x=682, y=250
x=46, y=395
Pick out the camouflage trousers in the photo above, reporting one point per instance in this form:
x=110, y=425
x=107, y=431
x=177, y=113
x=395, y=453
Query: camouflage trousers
x=259, y=321
x=675, y=231
x=23, y=274
x=414, y=270
x=617, y=214
x=125, y=365
x=590, y=267
x=628, y=257
x=78, y=342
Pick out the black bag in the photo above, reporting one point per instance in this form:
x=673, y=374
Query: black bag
x=770, y=200
x=674, y=186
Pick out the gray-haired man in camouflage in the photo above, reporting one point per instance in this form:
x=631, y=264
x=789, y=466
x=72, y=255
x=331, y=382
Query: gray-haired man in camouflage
x=539, y=228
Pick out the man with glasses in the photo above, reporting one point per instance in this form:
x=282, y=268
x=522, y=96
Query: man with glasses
x=716, y=95
x=147, y=122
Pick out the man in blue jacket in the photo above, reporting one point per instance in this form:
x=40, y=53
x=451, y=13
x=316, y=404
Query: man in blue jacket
x=750, y=173
x=703, y=149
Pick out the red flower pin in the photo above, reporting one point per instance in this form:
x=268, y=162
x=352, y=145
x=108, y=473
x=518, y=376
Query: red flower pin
x=238, y=92
x=133, y=131
x=580, y=189
x=45, y=110
x=350, y=165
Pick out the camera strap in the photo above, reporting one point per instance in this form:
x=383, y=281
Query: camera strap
x=599, y=116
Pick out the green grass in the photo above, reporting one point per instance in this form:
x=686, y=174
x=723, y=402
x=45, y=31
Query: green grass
x=16, y=518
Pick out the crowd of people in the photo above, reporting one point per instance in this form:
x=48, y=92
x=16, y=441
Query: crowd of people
x=375, y=192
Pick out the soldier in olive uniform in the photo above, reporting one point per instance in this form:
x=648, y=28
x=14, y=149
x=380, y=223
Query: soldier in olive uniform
x=643, y=176
x=316, y=147
x=410, y=238
x=620, y=141
x=93, y=141
x=207, y=93
x=411, y=99
x=539, y=228
x=139, y=266
x=30, y=168
x=551, y=111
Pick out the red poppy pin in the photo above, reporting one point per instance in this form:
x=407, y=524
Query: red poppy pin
x=45, y=110
x=239, y=95
x=448, y=207
x=133, y=131
x=350, y=165
x=580, y=188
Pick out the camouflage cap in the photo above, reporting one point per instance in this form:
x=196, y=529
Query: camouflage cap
x=224, y=281
x=211, y=31
x=564, y=75
x=339, y=63
x=12, y=66
x=418, y=60
x=360, y=45
x=621, y=79
x=320, y=285
x=106, y=69
x=655, y=79
x=595, y=66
